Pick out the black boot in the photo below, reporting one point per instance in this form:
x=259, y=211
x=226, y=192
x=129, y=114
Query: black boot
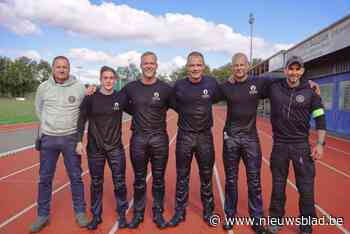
x=178, y=217
x=96, y=220
x=159, y=220
x=207, y=214
x=136, y=220
x=122, y=221
x=259, y=229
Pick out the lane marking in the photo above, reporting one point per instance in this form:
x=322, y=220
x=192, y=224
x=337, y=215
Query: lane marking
x=318, y=207
x=34, y=165
x=19, y=171
x=12, y=152
x=222, y=197
x=332, y=168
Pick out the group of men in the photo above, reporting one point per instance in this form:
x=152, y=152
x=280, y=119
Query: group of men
x=63, y=111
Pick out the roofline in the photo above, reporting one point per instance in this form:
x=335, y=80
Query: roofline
x=347, y=17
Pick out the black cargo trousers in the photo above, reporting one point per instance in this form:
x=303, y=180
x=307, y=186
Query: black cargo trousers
x=116, y=161
x=144, y=148
x=304, y=169
x=200, y=145
x=247, y=148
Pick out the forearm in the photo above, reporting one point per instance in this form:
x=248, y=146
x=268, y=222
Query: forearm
x=321, y=135
x=38, y=105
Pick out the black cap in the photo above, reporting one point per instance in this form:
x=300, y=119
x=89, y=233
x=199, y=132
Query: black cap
x=294, y=59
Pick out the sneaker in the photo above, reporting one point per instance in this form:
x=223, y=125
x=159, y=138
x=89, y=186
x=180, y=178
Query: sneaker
x=39, y=224
x=81, y=219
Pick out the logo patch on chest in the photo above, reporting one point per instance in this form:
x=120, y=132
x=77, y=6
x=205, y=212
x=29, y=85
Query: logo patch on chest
x=300, y=98
x=156, y=96
x=71, y=99
x=252, y=90
x=205, y=94
x=116, y=106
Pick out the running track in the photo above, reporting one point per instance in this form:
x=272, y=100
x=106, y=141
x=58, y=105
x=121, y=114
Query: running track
x=19, y=176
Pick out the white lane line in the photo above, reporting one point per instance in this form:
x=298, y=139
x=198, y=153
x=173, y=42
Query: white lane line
x=28, y=208
x=11, y=152
x=19, y=171
x=218, y=182
x=221, y=192
x=320, y=162
x=16, y=150
x=327, y=146
x=318, y=207
x=34, y=165
x=115, y=227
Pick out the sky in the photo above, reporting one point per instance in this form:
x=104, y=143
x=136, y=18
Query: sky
x=93, y=33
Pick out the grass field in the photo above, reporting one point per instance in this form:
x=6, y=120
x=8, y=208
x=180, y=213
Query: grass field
x=12, y=111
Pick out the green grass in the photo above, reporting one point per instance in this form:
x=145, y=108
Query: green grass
x=12, y=111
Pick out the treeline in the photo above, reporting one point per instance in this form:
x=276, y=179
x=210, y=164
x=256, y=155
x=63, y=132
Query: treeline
x=21, y=76
x=221, y=73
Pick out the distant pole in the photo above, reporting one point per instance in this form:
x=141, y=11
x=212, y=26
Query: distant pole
x=79, y=70
x=251, y=22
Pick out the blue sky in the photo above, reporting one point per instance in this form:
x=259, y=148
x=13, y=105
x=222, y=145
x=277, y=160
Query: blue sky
x=95, y=33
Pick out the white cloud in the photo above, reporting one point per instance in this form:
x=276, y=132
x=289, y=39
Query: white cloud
x=91, y=57
x=32, y=54
x=88, y=57
x=170, y=66
x=117, y=22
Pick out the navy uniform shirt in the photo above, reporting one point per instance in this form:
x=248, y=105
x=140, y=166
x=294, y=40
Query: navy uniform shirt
x=242, y=101
x=149, y=105
x=104, y=113
x=194, y=103
x=291, y=110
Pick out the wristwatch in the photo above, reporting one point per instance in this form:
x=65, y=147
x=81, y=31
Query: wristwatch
x=323, y=143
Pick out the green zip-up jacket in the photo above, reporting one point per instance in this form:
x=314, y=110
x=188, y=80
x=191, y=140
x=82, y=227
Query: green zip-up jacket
x=57, y=106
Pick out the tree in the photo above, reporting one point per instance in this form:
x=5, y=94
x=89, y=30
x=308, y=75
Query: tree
x=22, y=75
x=44, y=71
x=222, y=73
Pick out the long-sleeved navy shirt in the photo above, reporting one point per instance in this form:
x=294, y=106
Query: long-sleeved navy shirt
x=194, y=103
x=149, y=104
x=104, y=113
x=242, y=101
x=291, y=111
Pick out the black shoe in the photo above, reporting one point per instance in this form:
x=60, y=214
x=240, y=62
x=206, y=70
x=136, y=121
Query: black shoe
x=122, y=222
x=207, y=214
x=159, y=220
x=96, y=220
x=178, y=217
x=258, y=229
x=228, y=224
x=136, y=220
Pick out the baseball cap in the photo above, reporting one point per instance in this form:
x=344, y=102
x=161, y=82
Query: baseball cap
x=294, y=59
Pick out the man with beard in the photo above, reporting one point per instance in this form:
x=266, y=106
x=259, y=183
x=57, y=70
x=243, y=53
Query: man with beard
x=293, y=102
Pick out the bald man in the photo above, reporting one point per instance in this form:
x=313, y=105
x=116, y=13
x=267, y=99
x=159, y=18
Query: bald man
x=242, y=94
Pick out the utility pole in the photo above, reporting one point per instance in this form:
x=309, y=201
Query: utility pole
x=251, y=22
